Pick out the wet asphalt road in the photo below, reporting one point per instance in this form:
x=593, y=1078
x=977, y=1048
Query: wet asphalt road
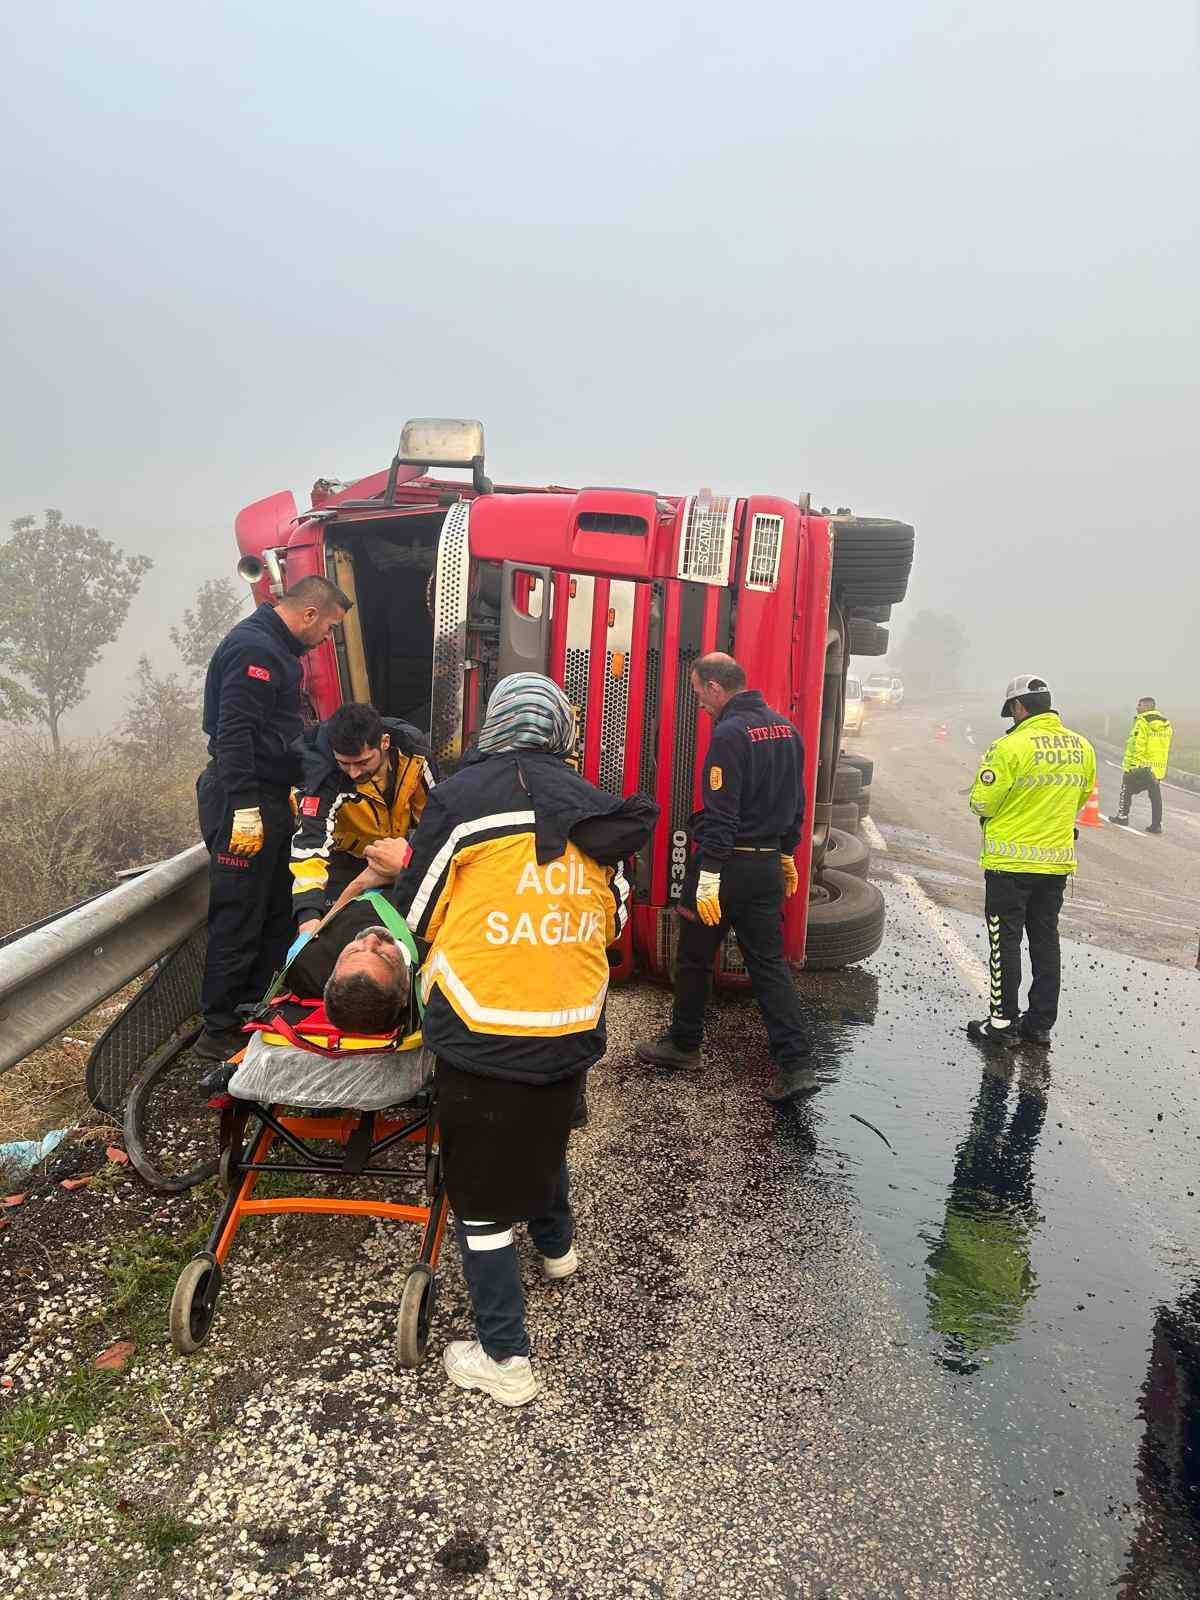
x=795, y=1363
x=1132, y=892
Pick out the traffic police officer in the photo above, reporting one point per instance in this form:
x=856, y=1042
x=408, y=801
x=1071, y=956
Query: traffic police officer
x=253, y=722
x=1144, y=766
x=1030, y=787
x=740, y=873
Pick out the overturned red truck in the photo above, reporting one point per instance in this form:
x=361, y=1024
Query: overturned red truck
x=613, y=592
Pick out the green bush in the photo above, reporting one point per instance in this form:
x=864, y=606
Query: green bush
x=71, y=820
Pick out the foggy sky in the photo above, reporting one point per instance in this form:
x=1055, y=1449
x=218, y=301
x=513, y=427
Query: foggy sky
x=931, y=260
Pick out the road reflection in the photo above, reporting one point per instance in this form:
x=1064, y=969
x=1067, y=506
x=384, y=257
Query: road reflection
x=979, y=1277
x=1164, y=1555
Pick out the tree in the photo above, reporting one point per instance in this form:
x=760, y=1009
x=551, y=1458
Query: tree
x=162, y=723
x=64, y=595
x=932, y=650
x=202, y=628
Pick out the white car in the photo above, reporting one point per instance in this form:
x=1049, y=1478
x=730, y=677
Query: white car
x=884, y=689
x=852, y=722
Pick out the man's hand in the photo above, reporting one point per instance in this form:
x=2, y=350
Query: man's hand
x=246, y=834
x=388, y=857
x=309, y=926
x=708, y=898
x=791, y=878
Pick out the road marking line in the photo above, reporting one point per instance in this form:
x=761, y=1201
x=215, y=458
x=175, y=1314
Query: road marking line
x=874, y=838
x=968, y=964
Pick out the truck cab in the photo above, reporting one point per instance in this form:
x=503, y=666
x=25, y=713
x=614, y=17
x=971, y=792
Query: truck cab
x=612, y=592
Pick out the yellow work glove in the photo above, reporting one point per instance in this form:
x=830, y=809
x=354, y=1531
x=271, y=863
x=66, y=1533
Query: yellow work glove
x=708, y=898
x=246, y=834
x=791, y=878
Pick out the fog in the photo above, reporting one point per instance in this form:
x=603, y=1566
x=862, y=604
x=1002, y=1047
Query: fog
x=930, y=260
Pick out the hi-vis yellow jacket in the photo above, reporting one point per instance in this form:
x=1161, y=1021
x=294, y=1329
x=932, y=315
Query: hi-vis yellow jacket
x=1031, y=785
x=516, y=880
x=1148, y=744
x=339, y=818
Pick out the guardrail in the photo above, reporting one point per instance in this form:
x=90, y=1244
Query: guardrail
x=57, y=972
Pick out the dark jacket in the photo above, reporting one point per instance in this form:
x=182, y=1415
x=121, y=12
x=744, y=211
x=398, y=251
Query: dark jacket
x=339, y=818
x=252, y=710
x=753, y=782
x=516, y=882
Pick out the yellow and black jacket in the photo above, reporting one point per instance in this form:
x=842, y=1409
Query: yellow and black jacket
x=516, y=882
x=338, y=819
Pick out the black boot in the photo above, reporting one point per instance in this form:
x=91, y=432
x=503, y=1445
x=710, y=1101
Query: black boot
x=664, y=1052
x=793, y=1083
x=1155, y=827
x=1032, y=1035
x=220, y=1043
x=983, y=1033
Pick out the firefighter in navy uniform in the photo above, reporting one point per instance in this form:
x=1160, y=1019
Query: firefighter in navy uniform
x=740, y=873
x=252, y=719
x=1031, y=785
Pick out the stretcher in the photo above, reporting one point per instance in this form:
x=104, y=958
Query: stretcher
x=299, y=1086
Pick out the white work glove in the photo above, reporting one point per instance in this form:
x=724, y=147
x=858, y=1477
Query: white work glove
x=791, y=878
x=246, y=834
x=708, y=898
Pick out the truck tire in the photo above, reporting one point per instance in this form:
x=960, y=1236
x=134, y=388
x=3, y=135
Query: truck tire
x=863, y=801
x=844, y=814
x=847, y=781
x=872, y=613
x=867, y=638
x=846, y=853
x=845, y=921
x=872, y=559
x=865, y=765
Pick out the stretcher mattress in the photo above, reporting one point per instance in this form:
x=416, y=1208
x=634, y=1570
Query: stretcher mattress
x=357, y=1080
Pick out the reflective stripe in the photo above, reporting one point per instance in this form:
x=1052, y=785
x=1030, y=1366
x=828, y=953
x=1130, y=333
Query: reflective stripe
x=325, y=848
x=440, y=862
x=439, y=967
x=620, y=887
x=488, y=1241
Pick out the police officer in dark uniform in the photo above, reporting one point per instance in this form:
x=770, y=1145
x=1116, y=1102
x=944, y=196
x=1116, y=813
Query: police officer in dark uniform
x=252, y=719
x=740, y=873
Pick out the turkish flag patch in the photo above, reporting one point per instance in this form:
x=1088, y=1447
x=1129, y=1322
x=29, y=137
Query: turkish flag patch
x=258, y=672
x=310, y=805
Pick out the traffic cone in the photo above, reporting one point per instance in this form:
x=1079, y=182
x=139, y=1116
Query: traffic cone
x=1090, y=816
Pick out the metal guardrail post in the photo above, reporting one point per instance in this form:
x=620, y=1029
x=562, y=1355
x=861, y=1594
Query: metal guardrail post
x=53, y=975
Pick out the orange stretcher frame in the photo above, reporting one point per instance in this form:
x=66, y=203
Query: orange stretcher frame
x=363, y=1137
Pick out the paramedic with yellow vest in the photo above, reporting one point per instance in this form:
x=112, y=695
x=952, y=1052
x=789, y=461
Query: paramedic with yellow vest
x=1147, y=751
x=516, y=882
x=365, y=778
x=1031, y=785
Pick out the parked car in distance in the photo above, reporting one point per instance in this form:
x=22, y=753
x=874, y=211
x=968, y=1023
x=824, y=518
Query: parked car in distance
x=883, y=689
x=853, y=720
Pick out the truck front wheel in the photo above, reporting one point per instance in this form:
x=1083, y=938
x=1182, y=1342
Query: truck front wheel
x=845, y=921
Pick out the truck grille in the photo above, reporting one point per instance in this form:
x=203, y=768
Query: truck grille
x=451, y=591
x=766, y=542
x=614, y=722
x=577, y=665
x=707, y=541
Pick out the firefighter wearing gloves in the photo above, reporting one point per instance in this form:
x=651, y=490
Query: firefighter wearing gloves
x=252, y=719
x=1030, y=786
x=740, y=874
x=1147, y=752
x=366, y=778
x=516, y=882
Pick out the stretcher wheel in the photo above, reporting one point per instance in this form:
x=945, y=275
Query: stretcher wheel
x=227, y=1174
x=415, y=1315
x=194, y=1303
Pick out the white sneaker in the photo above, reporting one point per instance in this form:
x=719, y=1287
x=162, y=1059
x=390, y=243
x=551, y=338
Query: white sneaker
x=561, y=1266
x=510, y=1381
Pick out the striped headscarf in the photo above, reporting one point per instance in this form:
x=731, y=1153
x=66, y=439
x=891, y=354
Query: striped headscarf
x=528, y=712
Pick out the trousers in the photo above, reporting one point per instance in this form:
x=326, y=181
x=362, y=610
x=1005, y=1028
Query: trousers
x=493, y=1272
x=1016, y=903
x=249, y=903
x=1142, y=781
x=752, y=905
